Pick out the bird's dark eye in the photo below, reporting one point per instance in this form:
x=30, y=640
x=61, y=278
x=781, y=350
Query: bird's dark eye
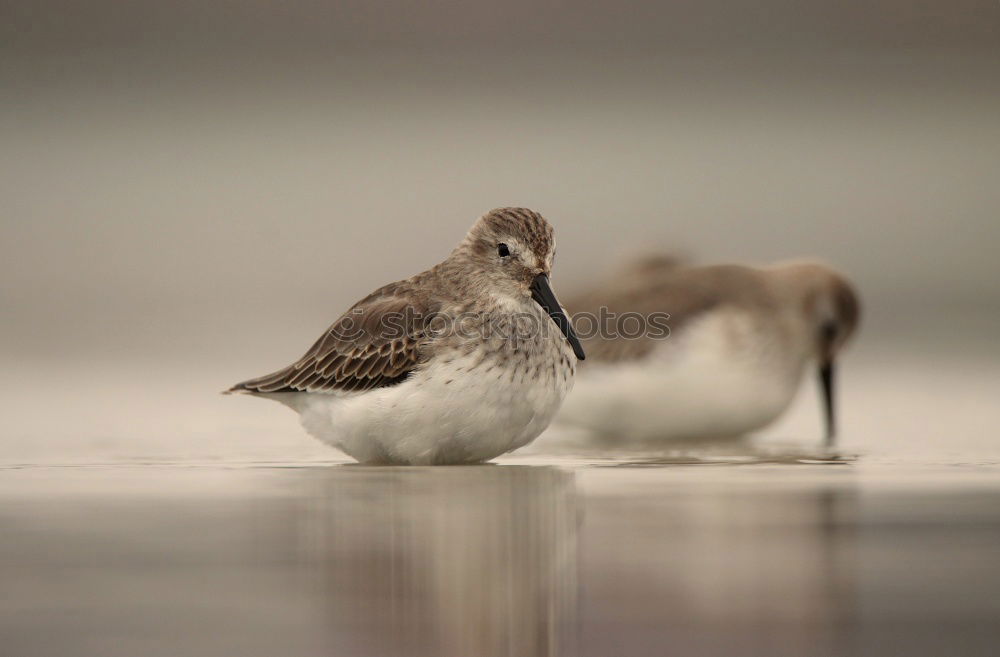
x=503, y=250
x=828, y=331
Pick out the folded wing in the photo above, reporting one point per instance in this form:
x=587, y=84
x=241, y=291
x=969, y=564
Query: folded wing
x=376, y=343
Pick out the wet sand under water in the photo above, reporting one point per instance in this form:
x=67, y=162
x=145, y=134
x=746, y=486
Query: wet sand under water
x=531, y=556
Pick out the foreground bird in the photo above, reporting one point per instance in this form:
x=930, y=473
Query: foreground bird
x=692, y=353
x=459, y=364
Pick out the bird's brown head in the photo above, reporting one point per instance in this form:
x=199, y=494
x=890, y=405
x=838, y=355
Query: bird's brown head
x=516, y=243
x=826, y=300
x=832, y=310
x=835, y=310
x=511, y=251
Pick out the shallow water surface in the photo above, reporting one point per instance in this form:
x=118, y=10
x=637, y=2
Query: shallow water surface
x=529, y=557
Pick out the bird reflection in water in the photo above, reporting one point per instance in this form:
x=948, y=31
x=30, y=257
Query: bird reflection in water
x=477, y=560
x=711, y=569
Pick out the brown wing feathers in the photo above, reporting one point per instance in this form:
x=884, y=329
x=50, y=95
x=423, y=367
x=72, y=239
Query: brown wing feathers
x=375, y=344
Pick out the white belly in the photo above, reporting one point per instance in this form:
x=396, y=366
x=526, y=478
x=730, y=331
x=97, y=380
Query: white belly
x=463, y=411
x=721, y=378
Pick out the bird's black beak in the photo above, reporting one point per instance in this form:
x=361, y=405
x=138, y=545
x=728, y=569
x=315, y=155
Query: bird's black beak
x=542, y=293
x=826, y=381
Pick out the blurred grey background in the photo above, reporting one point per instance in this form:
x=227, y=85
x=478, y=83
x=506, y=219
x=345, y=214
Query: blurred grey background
x=193, y=190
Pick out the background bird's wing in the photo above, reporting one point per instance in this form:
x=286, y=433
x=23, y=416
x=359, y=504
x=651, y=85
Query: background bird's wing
x=376, y=343
x=632, y=312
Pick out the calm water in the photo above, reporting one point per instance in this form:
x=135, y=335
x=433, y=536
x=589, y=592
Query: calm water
x=513, y=559
x=165, y=520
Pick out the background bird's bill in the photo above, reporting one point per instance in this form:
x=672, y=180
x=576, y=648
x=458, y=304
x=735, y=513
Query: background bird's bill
x=826, y=380
x=542, y=293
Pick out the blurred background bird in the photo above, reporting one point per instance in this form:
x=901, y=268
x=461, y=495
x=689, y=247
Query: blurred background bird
x=679, y=352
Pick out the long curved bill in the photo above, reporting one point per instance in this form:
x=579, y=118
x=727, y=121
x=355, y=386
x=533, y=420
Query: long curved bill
x=542, y=293
x=826, y=381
